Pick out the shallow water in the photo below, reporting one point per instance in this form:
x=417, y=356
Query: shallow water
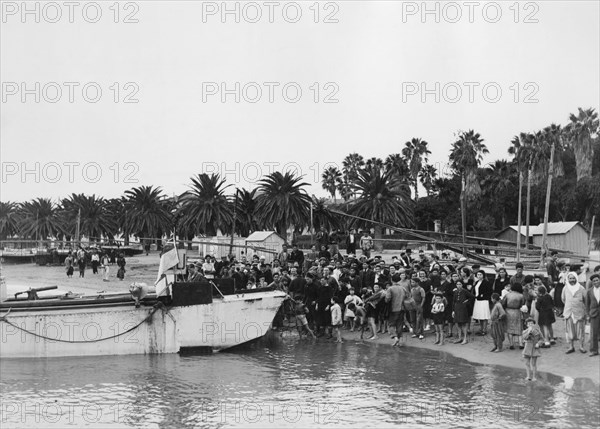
x=289, y=383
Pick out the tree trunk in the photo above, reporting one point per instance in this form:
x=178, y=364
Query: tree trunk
x=378, y=244
x=463, y=214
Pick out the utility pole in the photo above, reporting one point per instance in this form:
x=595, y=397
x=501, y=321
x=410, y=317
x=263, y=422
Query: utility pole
x=464, y=213
x=312, y=228
x=528, y=206
x=519, y=220
x=547, y=209
x=233, y=227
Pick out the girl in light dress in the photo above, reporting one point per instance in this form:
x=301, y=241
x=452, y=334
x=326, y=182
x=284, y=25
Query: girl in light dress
x=349, y=314
x=533, y=339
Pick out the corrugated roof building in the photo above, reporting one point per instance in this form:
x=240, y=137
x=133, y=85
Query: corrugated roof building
x=571, y=236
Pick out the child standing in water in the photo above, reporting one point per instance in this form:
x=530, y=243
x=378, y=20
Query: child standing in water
x=498, y=318
x=336, y=318
x=532, y=337
x=438, y=315
x=301, y=312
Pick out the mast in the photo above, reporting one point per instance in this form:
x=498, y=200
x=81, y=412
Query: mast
x=547, y=209
x=528, y=206
x=312, y=227
x=77, y=228
x=519, y=220
x=233, y=226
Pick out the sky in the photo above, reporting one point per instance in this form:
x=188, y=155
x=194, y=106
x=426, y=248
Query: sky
x=174, y=89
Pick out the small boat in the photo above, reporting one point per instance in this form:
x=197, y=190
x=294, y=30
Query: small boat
x=184, y=317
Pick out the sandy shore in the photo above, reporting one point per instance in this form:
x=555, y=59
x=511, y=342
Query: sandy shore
x=143, y=268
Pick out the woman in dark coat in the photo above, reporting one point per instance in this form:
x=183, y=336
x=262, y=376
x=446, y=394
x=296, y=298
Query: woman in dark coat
x=426, y=285
x=545, y=307
x=501, y=281
x=461, y=300
x=447, y=287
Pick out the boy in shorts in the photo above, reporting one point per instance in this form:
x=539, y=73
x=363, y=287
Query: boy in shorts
x=360, y=317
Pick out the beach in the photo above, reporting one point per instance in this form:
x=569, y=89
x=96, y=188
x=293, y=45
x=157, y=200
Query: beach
x=143, y=268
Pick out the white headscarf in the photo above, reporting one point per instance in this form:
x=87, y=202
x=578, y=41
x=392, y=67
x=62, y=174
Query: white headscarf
x=573, y=288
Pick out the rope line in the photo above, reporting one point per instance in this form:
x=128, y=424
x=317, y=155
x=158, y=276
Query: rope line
x=156, y=308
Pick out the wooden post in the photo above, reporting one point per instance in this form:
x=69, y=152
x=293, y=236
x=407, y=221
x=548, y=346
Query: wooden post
x=592, y=233
x=463, y=213
x=528, y=207
x=519, y=220
x=547, y=208
x=233, y=226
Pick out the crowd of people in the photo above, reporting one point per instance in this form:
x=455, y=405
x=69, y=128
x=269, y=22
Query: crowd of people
x=97, y=260
x=419, y=294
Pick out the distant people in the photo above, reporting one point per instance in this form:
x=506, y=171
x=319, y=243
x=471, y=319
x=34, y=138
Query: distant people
x=121, y=264
x=106, y=266
x=95, y=262
x=351, y=242
x=209, y=268
x=366, y=244
x=322, y=237
x=283, y=256
x=69, y=265
x=297, y=256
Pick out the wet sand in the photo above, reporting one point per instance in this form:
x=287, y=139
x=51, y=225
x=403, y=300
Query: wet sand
x=144, y=268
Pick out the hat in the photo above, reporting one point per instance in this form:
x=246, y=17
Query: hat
x=263, y=257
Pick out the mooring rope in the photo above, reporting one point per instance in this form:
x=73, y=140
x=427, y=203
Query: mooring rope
x=157, y=306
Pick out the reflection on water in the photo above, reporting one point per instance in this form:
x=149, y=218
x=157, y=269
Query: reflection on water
x=289, y=383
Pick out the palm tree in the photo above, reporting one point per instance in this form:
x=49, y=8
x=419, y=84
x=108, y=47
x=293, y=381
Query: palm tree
x=40, y=218
x=374, y=163
x=428, y=174
x=245, y=219
x=9, y=219
x=282, y=201
x=116, y=208
x=331, y=179
x=351, y=164
x=581, y=131
x=94, y=216
x=344, y=187
x=322, y=216
x=498, y=187
x=146, y=213
x=205, y=206
x=465, y=157
x=416, y=153
x=382, y=197
x=397, y=165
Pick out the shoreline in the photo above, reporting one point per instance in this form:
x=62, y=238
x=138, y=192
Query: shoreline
x=142, y=268
x=553, y=360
